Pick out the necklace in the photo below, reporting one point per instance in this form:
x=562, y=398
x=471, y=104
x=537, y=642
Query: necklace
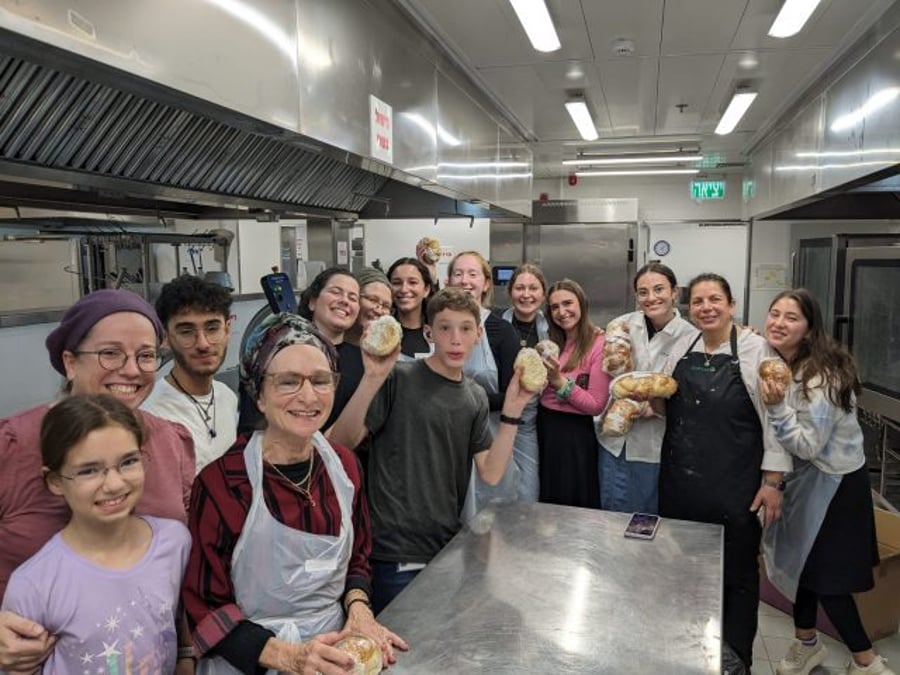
x=519, y=326
x=202, y=410
x=302, y=486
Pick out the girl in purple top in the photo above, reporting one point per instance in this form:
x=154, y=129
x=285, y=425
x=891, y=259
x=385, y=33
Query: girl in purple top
x=106, y=586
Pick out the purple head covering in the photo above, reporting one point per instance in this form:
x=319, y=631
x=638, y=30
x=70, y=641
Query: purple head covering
x=84, y=314
x=270, y=337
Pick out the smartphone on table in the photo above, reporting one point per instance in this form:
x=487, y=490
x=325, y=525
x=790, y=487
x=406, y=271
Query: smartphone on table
x=642, y=526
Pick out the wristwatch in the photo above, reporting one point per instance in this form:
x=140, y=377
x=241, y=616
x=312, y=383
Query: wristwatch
x=506, y=419
x=778, y=485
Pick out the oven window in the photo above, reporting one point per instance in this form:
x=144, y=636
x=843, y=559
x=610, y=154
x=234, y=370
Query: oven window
x=875, y=336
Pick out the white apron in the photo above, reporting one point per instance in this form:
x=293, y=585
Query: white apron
x=284, y=579
x=788, y=541
x=482, y=368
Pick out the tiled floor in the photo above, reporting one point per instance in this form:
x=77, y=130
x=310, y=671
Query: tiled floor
x=776, y=630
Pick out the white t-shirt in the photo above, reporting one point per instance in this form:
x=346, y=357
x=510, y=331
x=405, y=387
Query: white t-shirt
x=173, y=404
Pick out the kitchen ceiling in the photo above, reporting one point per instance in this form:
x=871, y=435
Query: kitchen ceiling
x=682, y=61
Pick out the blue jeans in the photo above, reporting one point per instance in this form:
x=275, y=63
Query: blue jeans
x=627, y=486
x=387, y=583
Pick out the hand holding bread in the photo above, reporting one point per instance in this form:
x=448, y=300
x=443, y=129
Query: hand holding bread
x=534, y=372
x=774, y=378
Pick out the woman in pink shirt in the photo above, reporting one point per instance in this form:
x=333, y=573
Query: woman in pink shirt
x=577, y=391
x=107, y=343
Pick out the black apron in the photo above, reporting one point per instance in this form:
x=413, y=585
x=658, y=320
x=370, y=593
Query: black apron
x=710, y=472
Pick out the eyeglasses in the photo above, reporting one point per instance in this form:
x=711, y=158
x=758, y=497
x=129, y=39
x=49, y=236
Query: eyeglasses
x=113, y=359
x=186, y=336
x=285, y=384
x=130, y=466
x=375, y=300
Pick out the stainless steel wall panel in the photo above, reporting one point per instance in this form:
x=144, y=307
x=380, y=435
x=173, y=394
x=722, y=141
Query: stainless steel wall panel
x=805, y=156
x=306, y=66
x=468, y=155
x=597, y=257
x=514, y=183
x=180, y=44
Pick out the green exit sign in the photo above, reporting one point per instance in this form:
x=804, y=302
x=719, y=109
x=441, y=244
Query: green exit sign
x=707, y=189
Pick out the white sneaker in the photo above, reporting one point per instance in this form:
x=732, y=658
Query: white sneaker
x=877, y=667
x=801, y=659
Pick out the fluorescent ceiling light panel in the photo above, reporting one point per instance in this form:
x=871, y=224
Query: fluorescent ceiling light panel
x=581, y=116
x=793, y=14
x=740, y=102
x=652, y=159
x=538, y=25
x=876, y=101
x=639, y=172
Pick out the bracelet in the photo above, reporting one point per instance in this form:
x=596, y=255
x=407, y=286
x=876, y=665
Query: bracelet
x=353, y=595
x=565, y=391
x=185, y=652
x=776, y=485
x=365, y=601
x=506, y=419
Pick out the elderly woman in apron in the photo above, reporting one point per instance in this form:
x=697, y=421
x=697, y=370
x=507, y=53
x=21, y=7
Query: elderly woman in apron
x=716, y=466
x=280, y=525
x=823, y=548
x=491, y=365
x=527, y=290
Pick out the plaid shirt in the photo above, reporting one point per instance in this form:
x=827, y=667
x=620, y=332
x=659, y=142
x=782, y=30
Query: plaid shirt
x=220, y=502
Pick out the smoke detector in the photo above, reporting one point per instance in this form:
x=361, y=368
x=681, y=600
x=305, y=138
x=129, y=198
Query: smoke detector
x=623, y=47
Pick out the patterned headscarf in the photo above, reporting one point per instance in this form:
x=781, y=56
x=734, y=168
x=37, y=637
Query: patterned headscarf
x=270, y=337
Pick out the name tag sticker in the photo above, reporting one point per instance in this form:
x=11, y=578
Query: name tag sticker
x=321, y=565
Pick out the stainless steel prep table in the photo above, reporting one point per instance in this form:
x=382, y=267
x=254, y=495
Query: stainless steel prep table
x=537, y=588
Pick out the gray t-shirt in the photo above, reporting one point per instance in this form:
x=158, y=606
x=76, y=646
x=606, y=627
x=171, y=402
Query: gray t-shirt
x=425, y=431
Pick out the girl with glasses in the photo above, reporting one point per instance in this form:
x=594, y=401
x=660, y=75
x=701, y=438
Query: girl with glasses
x=121, y=573
x=375, y=300
x=280, y=524
x=107, y=343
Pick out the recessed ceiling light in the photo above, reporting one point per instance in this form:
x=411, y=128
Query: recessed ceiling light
x=740, y=102
x=538, y=25
x=581, y=116
x=638, y=172
x=793, y=15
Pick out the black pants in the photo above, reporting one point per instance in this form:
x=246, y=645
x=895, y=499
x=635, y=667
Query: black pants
x=741, y=608
x=841, y=609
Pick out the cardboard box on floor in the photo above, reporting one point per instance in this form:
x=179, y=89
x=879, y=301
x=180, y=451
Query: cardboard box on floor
x=878, y=608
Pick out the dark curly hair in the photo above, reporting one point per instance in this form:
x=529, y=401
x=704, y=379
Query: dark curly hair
x=188, y=292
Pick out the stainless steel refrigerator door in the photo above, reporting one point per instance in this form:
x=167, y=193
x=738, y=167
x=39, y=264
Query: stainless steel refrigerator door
x=599, y=257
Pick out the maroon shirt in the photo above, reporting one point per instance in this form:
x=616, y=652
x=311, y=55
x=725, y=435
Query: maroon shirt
x=220, y=502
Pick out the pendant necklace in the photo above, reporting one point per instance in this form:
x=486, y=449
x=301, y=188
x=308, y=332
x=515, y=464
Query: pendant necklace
x=519, y=325
x=207, y=412
x=302, y=486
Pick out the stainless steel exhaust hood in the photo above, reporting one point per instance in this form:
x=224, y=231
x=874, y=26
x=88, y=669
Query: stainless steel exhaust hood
x=111, y=145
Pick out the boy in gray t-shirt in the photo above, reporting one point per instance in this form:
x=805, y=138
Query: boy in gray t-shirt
x=428, y=423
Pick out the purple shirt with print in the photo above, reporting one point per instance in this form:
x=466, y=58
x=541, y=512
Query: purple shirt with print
x=108, y=622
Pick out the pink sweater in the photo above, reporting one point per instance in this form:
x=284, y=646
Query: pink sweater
x=586, y=399
x=30, y=514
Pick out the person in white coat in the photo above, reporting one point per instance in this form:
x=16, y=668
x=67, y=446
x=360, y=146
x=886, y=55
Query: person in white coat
x=629, y=464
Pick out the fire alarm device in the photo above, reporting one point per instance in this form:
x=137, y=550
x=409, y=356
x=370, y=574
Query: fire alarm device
x=573, y=179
